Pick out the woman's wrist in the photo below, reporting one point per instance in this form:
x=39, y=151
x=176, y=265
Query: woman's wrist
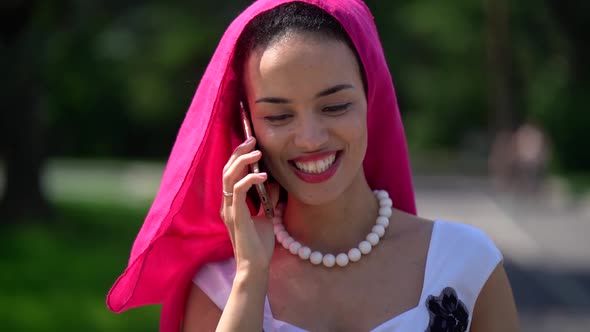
x=248, y=268
x=249, y=277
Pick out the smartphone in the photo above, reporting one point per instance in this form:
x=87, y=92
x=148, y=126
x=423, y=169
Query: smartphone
x=255, y=167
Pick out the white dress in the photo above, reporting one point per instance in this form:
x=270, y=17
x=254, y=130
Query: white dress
x=459, y=262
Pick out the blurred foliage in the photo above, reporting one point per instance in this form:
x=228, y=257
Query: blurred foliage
x=118, y=76
x=57, y=274
x=437, y=57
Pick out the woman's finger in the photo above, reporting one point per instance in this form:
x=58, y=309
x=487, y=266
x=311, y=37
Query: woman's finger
x=243, y=148
x=238, y=194
x=248, y=157
x=242, y=186
x=236, y=171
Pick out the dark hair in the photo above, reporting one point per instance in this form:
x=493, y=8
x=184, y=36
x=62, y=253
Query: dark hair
x=296, y=16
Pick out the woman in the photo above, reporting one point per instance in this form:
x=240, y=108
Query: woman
x=350, y=254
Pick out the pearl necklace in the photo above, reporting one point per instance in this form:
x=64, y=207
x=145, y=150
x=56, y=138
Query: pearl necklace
x=341, y=259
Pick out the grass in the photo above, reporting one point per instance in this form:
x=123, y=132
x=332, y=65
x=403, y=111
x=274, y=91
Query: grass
x=55, y=275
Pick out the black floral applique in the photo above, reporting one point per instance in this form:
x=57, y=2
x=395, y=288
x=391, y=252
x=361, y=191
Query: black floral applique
x=447, y=312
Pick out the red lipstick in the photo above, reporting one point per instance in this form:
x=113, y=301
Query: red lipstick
x=319, y=177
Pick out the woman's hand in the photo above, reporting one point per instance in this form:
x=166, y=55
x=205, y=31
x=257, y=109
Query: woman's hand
x=253, y=242
x=252, y=236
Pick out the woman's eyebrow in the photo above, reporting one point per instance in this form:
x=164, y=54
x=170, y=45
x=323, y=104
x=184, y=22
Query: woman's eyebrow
x=333, y=89
x=323, y=93
x=273, y=100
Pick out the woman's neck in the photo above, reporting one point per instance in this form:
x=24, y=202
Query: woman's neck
x=336, y=226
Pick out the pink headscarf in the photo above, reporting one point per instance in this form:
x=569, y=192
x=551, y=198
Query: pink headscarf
x=183, y=229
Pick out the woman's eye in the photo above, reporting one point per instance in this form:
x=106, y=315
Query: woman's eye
x=277, y=118
x=336, y=109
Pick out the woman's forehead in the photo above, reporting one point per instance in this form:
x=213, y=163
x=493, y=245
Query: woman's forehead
x=302, y=59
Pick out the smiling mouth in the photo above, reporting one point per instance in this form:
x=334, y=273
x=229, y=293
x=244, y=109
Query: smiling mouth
x=316, y=166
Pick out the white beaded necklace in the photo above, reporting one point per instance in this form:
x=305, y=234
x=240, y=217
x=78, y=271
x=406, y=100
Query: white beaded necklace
x=341, y=259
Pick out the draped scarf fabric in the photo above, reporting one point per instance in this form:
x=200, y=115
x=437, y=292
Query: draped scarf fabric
x=183, y=229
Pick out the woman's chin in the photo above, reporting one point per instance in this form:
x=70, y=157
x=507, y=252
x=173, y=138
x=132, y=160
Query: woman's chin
x=314, y=195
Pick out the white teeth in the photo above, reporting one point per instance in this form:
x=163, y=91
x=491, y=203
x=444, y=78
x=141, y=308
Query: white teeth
x=316, y=167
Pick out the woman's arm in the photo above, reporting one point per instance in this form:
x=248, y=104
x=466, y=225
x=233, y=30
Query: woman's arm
x=245, y=307
x=495, y=310
x=201, y=313
x=253, y=242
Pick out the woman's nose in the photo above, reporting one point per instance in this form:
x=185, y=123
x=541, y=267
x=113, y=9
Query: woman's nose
x=311, y=135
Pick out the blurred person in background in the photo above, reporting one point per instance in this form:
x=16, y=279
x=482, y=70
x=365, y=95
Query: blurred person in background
x=519, y=160
x=350, y=253
x=531, y=155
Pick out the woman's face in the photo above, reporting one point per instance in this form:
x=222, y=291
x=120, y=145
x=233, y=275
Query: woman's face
x=309, y=112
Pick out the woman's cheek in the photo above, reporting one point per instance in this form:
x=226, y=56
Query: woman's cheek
x=270, y=147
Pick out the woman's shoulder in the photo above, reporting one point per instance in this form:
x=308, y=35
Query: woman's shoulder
x=447, y=238
x=451, y=231
x=465, y=253
x=410, y=226
x=466, y=236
